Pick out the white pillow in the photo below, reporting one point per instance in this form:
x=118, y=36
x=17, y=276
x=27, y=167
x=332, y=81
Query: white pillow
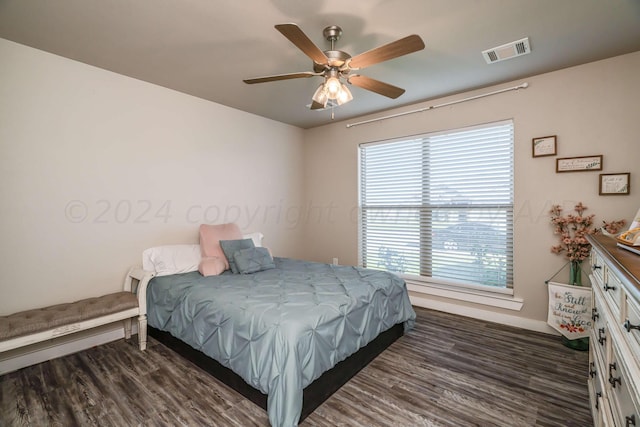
x=171, y=259
x=256, y=237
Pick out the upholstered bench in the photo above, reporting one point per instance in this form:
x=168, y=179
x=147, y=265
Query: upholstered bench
x=40, y=324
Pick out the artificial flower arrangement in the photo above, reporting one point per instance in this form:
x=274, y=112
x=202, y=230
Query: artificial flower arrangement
x=572, y=230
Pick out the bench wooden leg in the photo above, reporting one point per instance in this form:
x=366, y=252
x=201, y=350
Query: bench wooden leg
x=127, y=328
x=142, y=331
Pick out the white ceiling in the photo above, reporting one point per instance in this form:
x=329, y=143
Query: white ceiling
x=206, y=47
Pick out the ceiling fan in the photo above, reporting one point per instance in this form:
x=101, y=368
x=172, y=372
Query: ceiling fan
x=336, y=65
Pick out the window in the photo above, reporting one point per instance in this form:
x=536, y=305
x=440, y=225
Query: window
x=440, y=205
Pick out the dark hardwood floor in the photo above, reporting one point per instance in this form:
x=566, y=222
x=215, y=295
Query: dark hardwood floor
x=448, y=371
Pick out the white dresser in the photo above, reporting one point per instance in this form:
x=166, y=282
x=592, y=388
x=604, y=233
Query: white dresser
x=614, y=350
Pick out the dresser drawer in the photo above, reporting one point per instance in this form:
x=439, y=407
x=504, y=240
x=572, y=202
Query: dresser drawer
x=596, y=387
x=606, y=417
x=599, y=330
x=613, y=291
x=596, y=395
x=624, y=404
x=597, y=266
x=596, y=367
x=598, y=312
x=631, y=328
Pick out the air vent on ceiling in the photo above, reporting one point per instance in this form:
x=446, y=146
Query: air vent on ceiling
x=507, y=51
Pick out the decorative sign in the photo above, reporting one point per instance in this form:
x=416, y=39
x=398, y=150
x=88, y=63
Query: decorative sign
x=545, y=146
x=578, y=164
x=614, y=183
x=570, y=310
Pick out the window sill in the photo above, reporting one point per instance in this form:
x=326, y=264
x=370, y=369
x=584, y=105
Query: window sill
x=502, y=298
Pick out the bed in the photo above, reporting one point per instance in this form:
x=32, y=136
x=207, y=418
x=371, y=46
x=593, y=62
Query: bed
x=281, y=330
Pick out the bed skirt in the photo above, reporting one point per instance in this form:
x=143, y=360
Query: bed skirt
x=313, y=395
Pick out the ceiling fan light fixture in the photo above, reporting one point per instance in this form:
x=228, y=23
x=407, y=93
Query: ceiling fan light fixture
x=332, y=84
x=321, y=96
x=344, y=95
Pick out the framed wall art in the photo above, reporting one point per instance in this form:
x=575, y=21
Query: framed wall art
x=579, y=164
x=614, y=183
x=544, y=146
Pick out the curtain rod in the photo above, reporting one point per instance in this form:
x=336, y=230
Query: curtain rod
x=522, y=86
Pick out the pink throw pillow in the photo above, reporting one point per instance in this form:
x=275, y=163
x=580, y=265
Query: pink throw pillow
x=210, y=236
x=211, y=266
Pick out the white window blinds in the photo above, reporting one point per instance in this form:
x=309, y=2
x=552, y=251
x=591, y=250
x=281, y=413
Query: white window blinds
x=440, y=205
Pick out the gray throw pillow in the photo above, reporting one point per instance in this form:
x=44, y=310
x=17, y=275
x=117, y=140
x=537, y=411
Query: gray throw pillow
x=230, y=247
x=253, y=260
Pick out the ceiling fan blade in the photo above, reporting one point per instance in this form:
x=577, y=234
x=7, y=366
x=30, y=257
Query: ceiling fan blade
x=409, y=44
x=376, y=86
x=300, y=39
x=303, y=74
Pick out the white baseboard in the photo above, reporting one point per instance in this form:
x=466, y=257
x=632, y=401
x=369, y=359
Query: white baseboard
x=477, y=313
x=52, y=349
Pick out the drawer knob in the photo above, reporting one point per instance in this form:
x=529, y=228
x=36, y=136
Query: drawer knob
x=596, y=267
x=613, y=380
x=601, y=337
x=606, y=287
x=594, y=314
x=628, y=326
x=630, y=421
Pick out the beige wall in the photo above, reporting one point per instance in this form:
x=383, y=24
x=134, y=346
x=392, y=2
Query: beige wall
x=95, y=167
x=593, y=109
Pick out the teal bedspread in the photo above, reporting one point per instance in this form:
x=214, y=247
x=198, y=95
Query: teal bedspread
x=280, y=329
